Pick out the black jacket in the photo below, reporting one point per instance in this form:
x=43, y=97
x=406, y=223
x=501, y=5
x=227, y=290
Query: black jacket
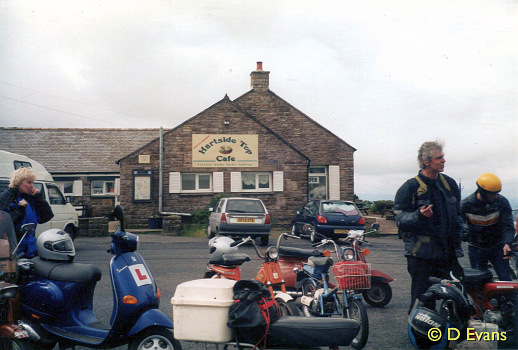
x=488, y=224
x=9, y=203
x=435, y=237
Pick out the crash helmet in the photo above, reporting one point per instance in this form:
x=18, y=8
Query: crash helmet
x=489, y=182
x=427, y=329
x=55, y=244
x=220, y=245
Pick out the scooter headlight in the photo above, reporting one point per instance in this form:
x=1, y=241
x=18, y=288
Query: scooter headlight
x=348, y=254
x=272, y=253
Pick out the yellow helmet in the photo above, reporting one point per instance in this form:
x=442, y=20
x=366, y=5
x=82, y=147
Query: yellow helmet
x=489, y=182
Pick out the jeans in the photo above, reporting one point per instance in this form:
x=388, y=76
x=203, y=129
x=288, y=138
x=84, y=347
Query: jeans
x=479, y=258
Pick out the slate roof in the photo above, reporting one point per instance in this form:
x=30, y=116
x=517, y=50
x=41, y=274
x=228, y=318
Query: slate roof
x=75, y=150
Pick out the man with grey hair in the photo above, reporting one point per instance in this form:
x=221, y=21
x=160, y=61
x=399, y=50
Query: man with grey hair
x=427, y=210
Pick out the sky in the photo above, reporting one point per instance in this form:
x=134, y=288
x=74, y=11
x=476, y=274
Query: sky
x=385, y=76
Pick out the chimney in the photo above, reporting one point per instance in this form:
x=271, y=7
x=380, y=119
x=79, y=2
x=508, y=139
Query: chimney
x=260, y=79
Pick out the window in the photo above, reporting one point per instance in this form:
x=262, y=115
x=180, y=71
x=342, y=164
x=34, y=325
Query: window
x=196, y=182
x=102, y=188
x=317, y=182
x=256, y=182
x=19, y=164
x=68, y=188
x=55, y=195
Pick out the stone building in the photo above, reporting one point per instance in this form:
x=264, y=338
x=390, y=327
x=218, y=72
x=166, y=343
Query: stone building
x=81, y=161
x=257, y=145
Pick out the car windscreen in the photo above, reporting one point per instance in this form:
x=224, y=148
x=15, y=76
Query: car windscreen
x=339, y=208
x=244, y=206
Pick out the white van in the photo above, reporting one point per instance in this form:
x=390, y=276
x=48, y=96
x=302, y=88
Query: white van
x=65, y=216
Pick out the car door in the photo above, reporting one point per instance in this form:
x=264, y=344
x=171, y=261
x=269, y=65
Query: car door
x=305, y=215
x=215, y=216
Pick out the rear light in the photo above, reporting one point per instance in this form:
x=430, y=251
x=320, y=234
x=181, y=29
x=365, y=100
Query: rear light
x=223, y=218
x=267, y=219
x=322, y=219
x=361, y=221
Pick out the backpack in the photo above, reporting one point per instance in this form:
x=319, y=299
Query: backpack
x=253, y=311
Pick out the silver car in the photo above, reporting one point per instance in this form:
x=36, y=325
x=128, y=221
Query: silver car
x=240, y=217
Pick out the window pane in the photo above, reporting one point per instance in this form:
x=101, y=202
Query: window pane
x=264, y=181
x=339, y=207
x=68, y=187
x=55, y=196
x=204, y=182
x=317, y=187
x=97, y=187
x=188, y=182
x=248, y=181
x=317, y=170
x=109, y=187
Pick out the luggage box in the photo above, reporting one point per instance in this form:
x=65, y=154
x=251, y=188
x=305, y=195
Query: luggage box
x=200, y=310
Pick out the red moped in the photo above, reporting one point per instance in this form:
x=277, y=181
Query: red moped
x=292, y=259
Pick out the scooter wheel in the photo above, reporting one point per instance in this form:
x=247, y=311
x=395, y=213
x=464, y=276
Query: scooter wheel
x=378, y=295
x=155, y=338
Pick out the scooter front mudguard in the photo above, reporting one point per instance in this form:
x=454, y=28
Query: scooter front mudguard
x=152, y=317
x=380, y=276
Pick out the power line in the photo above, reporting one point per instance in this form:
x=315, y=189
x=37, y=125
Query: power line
x=57, y=110
x=66, y=99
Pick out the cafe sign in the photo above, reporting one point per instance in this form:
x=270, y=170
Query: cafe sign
x=224, y=150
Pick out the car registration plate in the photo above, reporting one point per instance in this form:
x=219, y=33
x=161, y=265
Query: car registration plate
x=341, y=231
x=245, y=220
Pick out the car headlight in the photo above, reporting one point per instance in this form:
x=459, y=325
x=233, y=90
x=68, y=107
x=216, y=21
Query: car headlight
x=272, y=253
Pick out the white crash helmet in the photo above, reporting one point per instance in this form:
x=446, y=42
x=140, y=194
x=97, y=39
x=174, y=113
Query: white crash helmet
x=220, y=245
x=55, y=244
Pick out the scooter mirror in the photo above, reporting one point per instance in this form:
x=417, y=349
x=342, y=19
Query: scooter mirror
x=118, y=213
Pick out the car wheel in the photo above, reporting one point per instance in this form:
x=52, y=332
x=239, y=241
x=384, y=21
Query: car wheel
x=294, y=230
x=209, y=232
x=71, y=231
x=264, y=240
x=314, y=238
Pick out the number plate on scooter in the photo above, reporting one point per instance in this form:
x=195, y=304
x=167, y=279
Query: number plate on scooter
x=341, y=231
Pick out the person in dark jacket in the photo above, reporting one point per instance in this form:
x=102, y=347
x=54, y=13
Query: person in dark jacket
x=427, y=211
x=25, y=204
x=489, y=220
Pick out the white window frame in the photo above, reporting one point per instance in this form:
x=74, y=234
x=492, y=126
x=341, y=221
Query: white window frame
x=256, y=181
x=104, y=194
x=197, y=183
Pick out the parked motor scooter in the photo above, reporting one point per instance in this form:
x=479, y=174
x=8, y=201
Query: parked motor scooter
x=378, y=295
x=225, y=262
x=56, y=297
x=453, y=307
x=320, y=299
x=12, y=336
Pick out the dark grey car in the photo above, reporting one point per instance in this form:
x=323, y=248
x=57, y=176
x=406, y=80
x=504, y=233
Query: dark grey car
x=240, y=217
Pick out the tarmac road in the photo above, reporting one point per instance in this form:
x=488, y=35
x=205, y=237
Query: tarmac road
x=173, y=260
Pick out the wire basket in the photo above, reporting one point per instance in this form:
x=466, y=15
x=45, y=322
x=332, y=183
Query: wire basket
x=353, y=274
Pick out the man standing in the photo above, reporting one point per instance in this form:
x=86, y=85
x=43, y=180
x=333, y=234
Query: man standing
x=427, y=210
x=490, y=226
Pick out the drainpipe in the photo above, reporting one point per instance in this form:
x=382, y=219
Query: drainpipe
x=307, y=180
x=161, y=179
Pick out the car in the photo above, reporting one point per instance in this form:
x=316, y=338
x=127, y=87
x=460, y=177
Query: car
x=331, y=218
x=240, y=217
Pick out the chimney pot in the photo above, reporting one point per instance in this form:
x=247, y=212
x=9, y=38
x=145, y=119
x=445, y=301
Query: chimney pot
x=259, y=65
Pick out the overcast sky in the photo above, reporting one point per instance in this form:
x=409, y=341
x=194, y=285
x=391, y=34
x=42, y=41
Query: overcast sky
x=384, y=76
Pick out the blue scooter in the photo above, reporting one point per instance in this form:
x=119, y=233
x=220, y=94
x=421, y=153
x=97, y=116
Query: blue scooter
x=56, y=298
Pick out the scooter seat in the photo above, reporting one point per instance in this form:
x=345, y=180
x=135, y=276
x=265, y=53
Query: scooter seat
x=310, y=332
x=65, y=271
x=320, y=261
x=474, y=278
x=230, y=259
x=298, y=252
